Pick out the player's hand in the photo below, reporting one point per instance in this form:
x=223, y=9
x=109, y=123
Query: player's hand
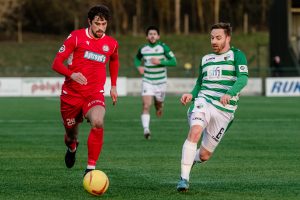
x=225, y=99
x=155, y=61
x=114, y=94
x=141, y=70
x=79, y=78
x=185, y=98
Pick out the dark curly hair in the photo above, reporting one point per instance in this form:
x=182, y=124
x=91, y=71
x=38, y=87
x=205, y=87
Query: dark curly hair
x=100, y=10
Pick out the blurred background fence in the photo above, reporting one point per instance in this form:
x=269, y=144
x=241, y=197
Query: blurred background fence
x=32, y=31
x=34, y=56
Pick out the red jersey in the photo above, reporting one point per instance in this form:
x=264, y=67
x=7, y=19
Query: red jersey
x=89, y=56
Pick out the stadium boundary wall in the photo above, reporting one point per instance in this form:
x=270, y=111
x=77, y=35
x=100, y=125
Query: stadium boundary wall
x=51, y=86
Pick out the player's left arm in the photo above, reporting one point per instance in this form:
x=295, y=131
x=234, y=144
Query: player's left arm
x=241, y=69
x=170, y=60
x=114, y=70
x=241, y=75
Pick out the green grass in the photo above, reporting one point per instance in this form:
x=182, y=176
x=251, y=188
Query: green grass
x=35, y=56
x=258, y=158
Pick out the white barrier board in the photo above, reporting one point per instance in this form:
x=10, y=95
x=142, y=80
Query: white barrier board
x=47, y=86
x=280, y=87
x=184, y=85
x=41, y=86
x=10, y=87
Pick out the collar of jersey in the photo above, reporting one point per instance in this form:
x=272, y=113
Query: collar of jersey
x=88, y=35
x=154, y=44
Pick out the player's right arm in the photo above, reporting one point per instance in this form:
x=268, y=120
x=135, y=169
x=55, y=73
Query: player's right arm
x=186, y=98
x=64, y=52
x=197, y=87
x=138, y=61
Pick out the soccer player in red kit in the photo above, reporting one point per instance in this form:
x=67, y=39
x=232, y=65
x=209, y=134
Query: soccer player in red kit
x=87, y=51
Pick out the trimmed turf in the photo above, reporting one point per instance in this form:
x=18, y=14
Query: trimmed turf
x=259, y=157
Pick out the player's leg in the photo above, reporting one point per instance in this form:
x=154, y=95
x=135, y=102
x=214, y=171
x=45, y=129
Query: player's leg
x=145, y=117
x=208, y=146
x=94, y=111
x=71, y=141
x=188, y=155
x=147, y=95
x=160, y=94
x=202, y=154
x=213, y=134
x=198, y=120
x=72, y=116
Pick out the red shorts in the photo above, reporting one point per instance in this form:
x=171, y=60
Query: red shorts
x=74, y=108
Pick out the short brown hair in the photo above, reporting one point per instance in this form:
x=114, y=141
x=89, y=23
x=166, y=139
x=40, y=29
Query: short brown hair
x=221, y=25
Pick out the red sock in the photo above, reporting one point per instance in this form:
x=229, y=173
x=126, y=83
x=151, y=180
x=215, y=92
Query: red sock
x=94, y=143
x=71, y=144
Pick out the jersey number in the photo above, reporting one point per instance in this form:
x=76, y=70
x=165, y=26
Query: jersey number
x=218, y=136
x=71, y=122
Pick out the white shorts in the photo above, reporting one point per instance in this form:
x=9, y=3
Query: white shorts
x=158, y=91
x=213, y=121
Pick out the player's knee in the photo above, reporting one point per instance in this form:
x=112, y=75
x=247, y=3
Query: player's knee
x=205, y=156
x=195, y=133
x=196, y=130
x=158, y=104
x=72, y=132
x=97, y=123
x=146, y=107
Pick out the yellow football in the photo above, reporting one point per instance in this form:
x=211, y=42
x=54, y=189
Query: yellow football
x=95, y=182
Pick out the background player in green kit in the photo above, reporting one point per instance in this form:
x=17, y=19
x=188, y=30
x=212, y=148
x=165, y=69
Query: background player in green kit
x=222, y=75
x=156, y=56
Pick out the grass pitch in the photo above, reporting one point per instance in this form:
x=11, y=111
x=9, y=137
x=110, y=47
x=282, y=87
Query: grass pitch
x=259, y=157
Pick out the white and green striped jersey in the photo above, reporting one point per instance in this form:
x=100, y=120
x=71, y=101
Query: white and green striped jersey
x=155, y=74
x=221, y=74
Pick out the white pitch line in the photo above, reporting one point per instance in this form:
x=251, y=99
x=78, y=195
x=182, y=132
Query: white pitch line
x=28, y=121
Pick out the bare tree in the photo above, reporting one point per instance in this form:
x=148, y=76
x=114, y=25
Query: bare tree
x=120, y=16
x=264, y=5
x=11, y=16
x=177, y=16
x=49, y=16
x=162, y=7
x=168, y=15
x=115, y=16
x=216, y=11
x=200, y=14
x=123, y=16
x=138, y=15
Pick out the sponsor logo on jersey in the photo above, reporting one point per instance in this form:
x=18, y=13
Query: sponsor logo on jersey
x=88, y=42
x=200, y=106
x=105, y=48
x=214, y=73
x=210, y=59
x=243, y=68
x=62, y=49
x=95, y=56
x=198, y=118
x=95, y=102
x=144, y=50
x=227, y=57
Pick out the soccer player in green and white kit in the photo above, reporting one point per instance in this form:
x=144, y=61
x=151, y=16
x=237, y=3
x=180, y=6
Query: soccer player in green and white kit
x=222, y=75
x=156, y=57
